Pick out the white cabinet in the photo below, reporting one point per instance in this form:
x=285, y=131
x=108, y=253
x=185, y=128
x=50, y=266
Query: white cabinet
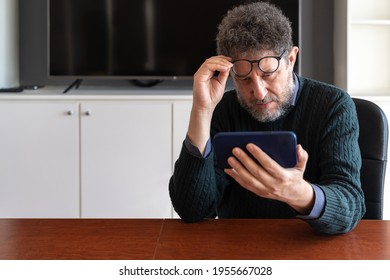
x=125, y=159
x=88, y=157
x=39, y=159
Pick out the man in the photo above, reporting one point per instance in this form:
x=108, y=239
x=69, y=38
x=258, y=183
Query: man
x=255, y=47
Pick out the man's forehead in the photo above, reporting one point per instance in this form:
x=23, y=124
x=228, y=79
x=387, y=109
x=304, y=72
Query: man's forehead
x=255, y=54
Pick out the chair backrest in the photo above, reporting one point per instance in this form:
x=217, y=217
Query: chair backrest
x=373, y=142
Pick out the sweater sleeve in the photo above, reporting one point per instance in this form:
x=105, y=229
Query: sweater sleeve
x=193, y=186
x=340, y=163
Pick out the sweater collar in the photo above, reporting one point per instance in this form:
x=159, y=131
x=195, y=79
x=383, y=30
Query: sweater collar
x=296, y=88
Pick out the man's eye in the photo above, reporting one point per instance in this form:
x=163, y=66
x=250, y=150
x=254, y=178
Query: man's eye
x=244, y=80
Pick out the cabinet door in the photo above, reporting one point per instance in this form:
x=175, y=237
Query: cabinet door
x=39, y=165
x=126, y=159
x=181, y=118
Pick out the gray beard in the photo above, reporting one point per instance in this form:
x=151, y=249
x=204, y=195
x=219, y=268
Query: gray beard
x=267, y=115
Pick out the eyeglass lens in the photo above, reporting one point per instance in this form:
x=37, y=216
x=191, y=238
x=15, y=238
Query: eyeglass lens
x=244, y=67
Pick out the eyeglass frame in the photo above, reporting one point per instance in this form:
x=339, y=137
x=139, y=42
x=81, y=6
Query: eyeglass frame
x=278, y=58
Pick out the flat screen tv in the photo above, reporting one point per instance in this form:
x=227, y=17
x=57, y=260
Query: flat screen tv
x=137, y=39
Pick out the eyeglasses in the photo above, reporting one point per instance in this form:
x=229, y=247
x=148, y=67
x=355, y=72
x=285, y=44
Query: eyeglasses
x=268, y=65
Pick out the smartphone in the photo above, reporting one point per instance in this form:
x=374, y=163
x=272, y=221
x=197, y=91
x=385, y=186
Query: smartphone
x=279, y=145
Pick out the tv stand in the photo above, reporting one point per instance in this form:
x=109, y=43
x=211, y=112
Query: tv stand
x=14, y=89
x=75, y=84
x=145, y=83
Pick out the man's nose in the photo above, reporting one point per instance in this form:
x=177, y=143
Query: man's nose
x=259, y=85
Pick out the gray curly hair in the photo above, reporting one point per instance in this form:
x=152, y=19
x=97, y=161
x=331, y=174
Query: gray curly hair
x=253, y=27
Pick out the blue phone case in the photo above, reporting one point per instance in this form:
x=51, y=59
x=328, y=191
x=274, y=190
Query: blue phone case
x=279, y=145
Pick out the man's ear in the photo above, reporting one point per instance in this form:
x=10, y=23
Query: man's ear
x=292, y=56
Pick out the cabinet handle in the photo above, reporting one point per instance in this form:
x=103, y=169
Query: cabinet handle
x=88, y=113
x=69, y=113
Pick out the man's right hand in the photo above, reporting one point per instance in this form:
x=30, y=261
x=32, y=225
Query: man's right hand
x=208, y=90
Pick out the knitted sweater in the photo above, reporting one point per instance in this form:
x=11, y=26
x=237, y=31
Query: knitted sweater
x=325, y=122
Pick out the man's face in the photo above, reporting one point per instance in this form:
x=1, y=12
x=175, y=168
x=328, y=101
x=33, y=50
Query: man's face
x=266, y=96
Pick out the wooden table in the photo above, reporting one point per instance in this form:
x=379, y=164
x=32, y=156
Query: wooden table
x=171, y=239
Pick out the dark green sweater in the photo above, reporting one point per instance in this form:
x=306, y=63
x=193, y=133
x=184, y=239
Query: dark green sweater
x=325, y=122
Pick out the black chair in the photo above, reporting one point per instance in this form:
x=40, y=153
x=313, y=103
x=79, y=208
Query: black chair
x=373, y=142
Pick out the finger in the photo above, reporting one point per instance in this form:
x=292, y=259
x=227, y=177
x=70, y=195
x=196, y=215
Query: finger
x=222, y=77
x=241, y=175
x=303, y=157
x=237, y=166
x=268, y=164
x=214, y=64
x=249, y=163
x=250, y=174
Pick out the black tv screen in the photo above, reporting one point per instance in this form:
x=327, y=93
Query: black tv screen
x=138, y=39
